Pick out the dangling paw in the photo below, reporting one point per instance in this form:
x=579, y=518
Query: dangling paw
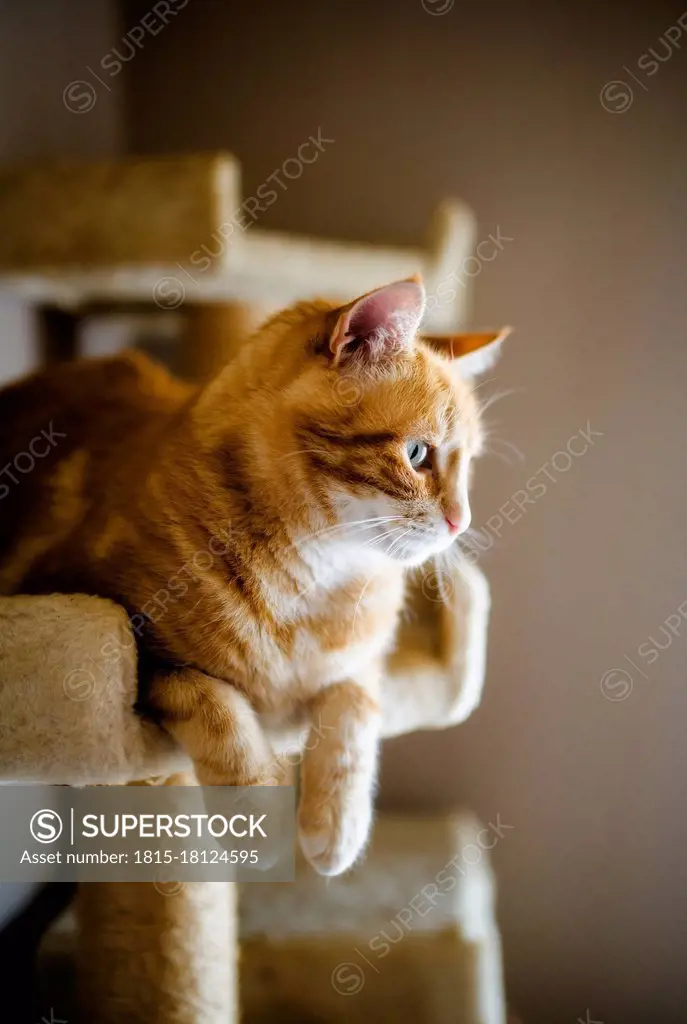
x=333, y=833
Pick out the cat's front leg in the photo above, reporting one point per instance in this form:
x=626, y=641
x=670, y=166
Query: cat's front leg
x=216, y=726
x=338, y=776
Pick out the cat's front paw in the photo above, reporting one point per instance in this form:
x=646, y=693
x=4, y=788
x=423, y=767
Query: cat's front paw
x=332, y=840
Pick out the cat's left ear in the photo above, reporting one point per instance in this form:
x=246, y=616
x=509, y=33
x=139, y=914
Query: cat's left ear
x=473, y=353
x=380, y=324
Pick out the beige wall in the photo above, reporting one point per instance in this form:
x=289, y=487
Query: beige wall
x=44, y=46
x=498, y=102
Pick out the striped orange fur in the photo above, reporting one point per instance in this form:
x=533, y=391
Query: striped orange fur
x=257, y=529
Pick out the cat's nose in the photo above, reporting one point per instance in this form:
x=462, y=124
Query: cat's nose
x=457, y=516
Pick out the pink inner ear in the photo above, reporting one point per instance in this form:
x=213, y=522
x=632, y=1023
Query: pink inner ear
x=385, y=321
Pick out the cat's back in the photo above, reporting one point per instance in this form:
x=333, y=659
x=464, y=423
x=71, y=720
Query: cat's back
x=67, y=435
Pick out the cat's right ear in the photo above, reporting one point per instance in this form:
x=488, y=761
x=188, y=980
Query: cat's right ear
x=378, y=325
x=472, y=354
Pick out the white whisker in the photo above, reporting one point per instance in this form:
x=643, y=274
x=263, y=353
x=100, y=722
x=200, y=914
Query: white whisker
x=384, y=536
x=362, y=593
x=397, y=541
x=358, y=523
x=490, y=450
x=497, y=396
x=482, y=383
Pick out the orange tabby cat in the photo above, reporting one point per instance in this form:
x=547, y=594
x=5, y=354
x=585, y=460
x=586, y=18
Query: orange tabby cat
x=257, y=529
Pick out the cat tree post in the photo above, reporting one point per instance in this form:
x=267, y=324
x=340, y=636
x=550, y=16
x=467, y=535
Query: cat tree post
x=158, y=952
x=213, y=333
x=163, y=951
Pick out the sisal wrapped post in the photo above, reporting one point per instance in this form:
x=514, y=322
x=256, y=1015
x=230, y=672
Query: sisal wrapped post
x=213, y=334
x=157, y=953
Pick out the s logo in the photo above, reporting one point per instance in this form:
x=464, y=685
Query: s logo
x=46, y=826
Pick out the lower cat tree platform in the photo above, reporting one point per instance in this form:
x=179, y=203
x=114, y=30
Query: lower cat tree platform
x=409, y=935
x=143, y=954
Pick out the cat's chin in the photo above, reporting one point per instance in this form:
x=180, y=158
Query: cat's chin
x=413, y=557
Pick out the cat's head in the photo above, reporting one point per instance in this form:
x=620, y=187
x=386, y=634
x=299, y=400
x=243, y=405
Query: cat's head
x=374, y=423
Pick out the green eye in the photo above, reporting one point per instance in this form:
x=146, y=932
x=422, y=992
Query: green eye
x=417, y=453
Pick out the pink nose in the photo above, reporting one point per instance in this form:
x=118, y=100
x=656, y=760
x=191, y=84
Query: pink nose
x=453, y=515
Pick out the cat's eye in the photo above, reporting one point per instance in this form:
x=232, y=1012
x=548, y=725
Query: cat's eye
x=418, y=454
